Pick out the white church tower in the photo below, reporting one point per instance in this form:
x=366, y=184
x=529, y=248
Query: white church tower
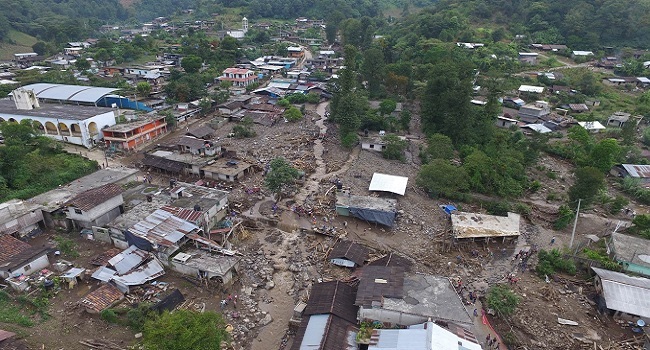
x=244, y=23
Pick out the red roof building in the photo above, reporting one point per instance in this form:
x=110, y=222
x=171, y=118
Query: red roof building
x=239, y=77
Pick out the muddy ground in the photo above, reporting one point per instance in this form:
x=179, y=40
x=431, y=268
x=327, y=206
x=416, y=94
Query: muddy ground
x=282, y=258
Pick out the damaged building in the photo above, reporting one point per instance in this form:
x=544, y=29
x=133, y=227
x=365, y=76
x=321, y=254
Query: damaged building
x=371, y=209
x=472, y=225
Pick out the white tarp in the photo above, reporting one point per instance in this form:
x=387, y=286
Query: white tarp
x=388, y=183
x=530, y=88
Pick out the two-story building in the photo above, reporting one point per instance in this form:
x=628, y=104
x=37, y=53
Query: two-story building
x=239, y=77
x=131, y=136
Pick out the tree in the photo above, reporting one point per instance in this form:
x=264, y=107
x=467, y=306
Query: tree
x=293, y=114
x=387, y=106
x=502, y=300
x=102, y=55
x=143, y=88
x=393, y=147
x=205, y=105
x=192, y=64
x=439, y=147
x=372, y=69
x=440, y=178
x=82, y=64
x=184, y=329
x=170, y=119
x=41, y=48
x=281, y=174
x=589, y=181
x=605, y=154
x=405, y=120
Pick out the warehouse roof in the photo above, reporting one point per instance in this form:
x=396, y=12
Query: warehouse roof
x=71, y=93
x=625, y=293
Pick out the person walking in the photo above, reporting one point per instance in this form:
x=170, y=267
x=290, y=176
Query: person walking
x=553, y=240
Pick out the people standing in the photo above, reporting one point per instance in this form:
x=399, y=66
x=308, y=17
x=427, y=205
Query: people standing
x=553, y=240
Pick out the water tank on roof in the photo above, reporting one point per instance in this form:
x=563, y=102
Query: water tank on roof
x=197, y=207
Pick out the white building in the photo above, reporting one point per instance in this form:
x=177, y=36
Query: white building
x=67, y=113
x=96, y=207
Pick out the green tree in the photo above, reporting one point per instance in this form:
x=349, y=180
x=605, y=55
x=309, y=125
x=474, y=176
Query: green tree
x=372, y=70
x=441, y=178
x=502, y=300
x=439, y=146
x=192, y=64
x=205, y=105
x=293, y=114
x=604, y=154
x=102, y=55
x=41, y=48
x=82, y=64
x=589, y=181
x=184, y=329
x=281, y=174
x=394, y=147
x=405, y=120
x=387, y=106
x=143, y=88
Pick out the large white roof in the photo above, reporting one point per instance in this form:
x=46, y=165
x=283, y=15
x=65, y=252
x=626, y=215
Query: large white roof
x=388, y=183
x=72, y=93
x=530, y=88
x=625, y=293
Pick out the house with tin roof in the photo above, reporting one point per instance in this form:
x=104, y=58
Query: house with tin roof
x=348, y=254
x=96, y=207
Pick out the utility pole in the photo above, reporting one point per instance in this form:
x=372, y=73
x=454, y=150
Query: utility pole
x=575, y=223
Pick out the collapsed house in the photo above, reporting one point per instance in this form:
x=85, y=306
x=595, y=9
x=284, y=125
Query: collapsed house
x=132, y=267
x=101, y=298
x=371, y=209
x=348, y=254
x=471, y=225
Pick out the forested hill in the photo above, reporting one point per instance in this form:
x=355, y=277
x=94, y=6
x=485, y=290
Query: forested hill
x=581, y=24
x=58, y=20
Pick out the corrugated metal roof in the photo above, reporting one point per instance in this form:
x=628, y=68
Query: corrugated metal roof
x=350, y=251
x=102, y=298
x=425, y=336
x=72, y=93
x=637, y=170
x=143, y=274
x=625, y=293
x=129, y=259
x=388, y=183
x=163, y=228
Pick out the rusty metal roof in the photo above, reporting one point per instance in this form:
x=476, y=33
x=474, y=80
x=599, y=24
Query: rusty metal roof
x=190, y=215
x=102, y=298
x=92, y=198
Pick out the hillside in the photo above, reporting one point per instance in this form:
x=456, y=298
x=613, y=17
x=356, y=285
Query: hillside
x=16, y=42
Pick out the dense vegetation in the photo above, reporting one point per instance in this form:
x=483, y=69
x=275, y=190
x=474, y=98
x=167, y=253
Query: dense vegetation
x=58, y=21
x=32, y=164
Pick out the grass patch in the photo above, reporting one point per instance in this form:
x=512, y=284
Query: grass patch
x=17, y=42
x=12, y=314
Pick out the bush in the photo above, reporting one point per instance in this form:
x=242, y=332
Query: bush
x=602, y=258
x=497, y=208
x=349, y=140
x=136, y=318
x=109, y=316
x=552, y=261
x=522, y=209
x=534, y=186
x=565, y=215
x=502, y=300
x=67, y=247
x=242, y=132
x=617, y=204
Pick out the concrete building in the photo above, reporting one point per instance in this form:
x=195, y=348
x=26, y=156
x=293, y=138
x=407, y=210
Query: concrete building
x=20, y=219
x=619, y=119
x=372, y=209
x=388, y=294
x=528, y=58
x=534, y=113
x=239, y=77
x=633, y=253
x=96, y=207
x=295, y=52
x=471, y=225
x=504, y=122
x=373, y=144
x=76, y=124
x=426, y=336
x=131, y=136
x=227, y=170
x=215, y=267
x=18, y=258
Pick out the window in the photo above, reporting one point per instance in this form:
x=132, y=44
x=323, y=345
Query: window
x=78, y=211
x=372, y=146
x=27, y=267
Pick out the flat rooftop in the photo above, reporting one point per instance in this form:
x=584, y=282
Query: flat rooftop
x=54, y=199
x=429, y=296
x=367, y=202
x=214, y=263
x=635, y=250
x=186, y=158
x=131, y=126
x=227, y=166
x=53, y=110
x=472, y=225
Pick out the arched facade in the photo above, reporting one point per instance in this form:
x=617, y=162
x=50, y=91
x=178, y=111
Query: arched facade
x=38, y=126
x=64, y=130
x=75, y=130
x=51, y=129
x=92, y=129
